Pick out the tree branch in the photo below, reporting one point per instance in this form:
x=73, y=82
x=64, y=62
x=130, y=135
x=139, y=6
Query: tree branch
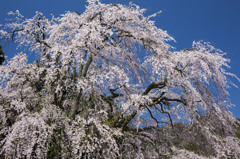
x=81, y=65
x=87, y=66
x=75, y=105
x=114, y=95
x=153, y=85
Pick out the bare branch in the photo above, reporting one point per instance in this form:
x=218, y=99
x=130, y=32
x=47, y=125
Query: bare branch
x=153, y=85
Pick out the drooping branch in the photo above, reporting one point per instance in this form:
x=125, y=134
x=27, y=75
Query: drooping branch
x=169, y=116
x=157, y=122
x=13, y=32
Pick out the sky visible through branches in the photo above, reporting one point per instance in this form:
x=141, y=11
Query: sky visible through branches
x=215, y=21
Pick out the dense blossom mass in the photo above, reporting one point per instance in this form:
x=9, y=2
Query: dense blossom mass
x=106, y=83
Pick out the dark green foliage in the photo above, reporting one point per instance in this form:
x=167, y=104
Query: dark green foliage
x=237, y=130
x=192, y=146
x=58, y=144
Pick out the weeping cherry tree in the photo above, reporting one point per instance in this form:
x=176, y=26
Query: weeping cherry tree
x=106, y=83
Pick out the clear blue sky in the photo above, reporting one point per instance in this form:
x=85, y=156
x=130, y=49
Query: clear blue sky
x=215, y=21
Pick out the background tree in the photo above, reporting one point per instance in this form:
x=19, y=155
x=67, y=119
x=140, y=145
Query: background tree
x=2, y=57
x=108, y=85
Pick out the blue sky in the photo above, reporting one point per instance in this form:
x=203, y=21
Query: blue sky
x=215, y=21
